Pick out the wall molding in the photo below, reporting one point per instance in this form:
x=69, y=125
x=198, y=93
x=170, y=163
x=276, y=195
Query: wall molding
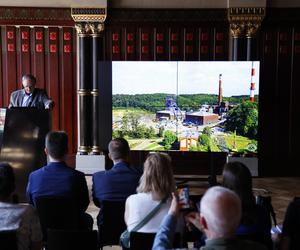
x=166, y=15
x=36, y=16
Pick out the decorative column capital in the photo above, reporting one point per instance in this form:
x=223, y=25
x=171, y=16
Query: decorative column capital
x=89, y=21
x=251, y=29
x=237, y=29
x=96, y=28
x=245, y=21
x=86, y=29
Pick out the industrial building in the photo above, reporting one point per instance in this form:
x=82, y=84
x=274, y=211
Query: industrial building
x=201, y=118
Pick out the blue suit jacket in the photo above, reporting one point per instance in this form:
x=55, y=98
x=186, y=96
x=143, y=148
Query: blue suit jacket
x=57, y=179
x=115, y=184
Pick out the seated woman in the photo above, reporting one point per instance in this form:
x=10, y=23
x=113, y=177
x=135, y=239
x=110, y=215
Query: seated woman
x=156, y=183
x=21, y=218
x=291, y=227
x=255, y=222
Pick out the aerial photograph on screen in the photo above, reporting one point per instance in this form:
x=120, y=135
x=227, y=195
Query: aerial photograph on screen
x=189, y=106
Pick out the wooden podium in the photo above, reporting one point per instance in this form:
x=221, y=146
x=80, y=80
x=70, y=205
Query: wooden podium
x=22, y=142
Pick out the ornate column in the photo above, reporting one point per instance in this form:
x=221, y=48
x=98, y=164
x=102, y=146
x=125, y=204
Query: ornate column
x=89, y=25
x=237, y=40
x=97, y=29
x=251, y=31
x=244, y=24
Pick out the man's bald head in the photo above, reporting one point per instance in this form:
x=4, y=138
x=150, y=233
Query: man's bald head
x=221, y=210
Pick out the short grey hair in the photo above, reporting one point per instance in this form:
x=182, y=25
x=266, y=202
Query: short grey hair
x=29, y=77
x=222, y=211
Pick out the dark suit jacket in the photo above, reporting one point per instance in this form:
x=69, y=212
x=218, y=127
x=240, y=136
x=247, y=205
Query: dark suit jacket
x=39, y=99
x=57, y=179
x=115, y=184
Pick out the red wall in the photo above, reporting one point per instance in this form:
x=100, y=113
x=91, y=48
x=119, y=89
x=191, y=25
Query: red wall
x=49, y=54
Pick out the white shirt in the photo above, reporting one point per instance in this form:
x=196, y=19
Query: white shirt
x=138, y=206
x=24, y=220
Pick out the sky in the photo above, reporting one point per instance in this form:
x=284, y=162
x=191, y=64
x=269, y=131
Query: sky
x=190, y=78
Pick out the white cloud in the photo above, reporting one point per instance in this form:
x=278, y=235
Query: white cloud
x=193, y=77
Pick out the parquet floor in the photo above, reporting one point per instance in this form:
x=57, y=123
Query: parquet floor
x=281, y=189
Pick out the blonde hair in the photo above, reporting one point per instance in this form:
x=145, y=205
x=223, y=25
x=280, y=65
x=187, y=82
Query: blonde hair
x=157, y=177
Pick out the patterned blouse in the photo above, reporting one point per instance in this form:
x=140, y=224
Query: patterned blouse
x=23, y=219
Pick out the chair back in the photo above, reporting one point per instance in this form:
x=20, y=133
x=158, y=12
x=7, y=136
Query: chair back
x=145, y=241
x=8, y=240
x=57, y=213
x=113, y=223
x=72, y=239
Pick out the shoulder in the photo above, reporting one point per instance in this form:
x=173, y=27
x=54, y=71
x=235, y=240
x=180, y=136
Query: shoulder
x=40, y=91
x=77, y=173
x=36, y=172
x=130, y=169
x=17, y=92
x=132, y=198
x=99, y=174
x=139, y=197
x=136, y=170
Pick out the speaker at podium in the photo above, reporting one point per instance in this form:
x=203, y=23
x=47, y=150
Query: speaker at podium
x=22, y=142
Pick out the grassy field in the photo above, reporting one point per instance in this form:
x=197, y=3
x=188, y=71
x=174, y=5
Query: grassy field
x=121, y=111
x=237, y=143
x=146, y=144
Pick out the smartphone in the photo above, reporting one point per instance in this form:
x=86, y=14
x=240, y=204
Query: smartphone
x=183, y=196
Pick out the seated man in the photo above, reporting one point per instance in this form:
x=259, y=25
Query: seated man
x=119, y=182
x=56, y=179
x=291, y=227
x=21, y=218
x=30, y=96
x=219, y=217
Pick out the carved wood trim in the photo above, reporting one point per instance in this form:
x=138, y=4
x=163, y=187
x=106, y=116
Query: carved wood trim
x=36, y=16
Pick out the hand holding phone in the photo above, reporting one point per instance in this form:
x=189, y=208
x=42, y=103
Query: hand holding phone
x=183, y=197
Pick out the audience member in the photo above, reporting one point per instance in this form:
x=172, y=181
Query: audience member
x=255, y=221
x=21, y=218
x=57, y=179
x=156, y=183
x=219, y=217
x=119, y=182
x=291, y=227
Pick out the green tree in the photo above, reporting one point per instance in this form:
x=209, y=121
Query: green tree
x=169, y=137
x=244, y=119
x=150, y=132
x=139, y=131
x=204, y=142
x=125, y=125
x=207, y=131
x=161, y=131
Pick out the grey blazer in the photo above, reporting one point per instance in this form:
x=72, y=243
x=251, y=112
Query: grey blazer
x=39, y=99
